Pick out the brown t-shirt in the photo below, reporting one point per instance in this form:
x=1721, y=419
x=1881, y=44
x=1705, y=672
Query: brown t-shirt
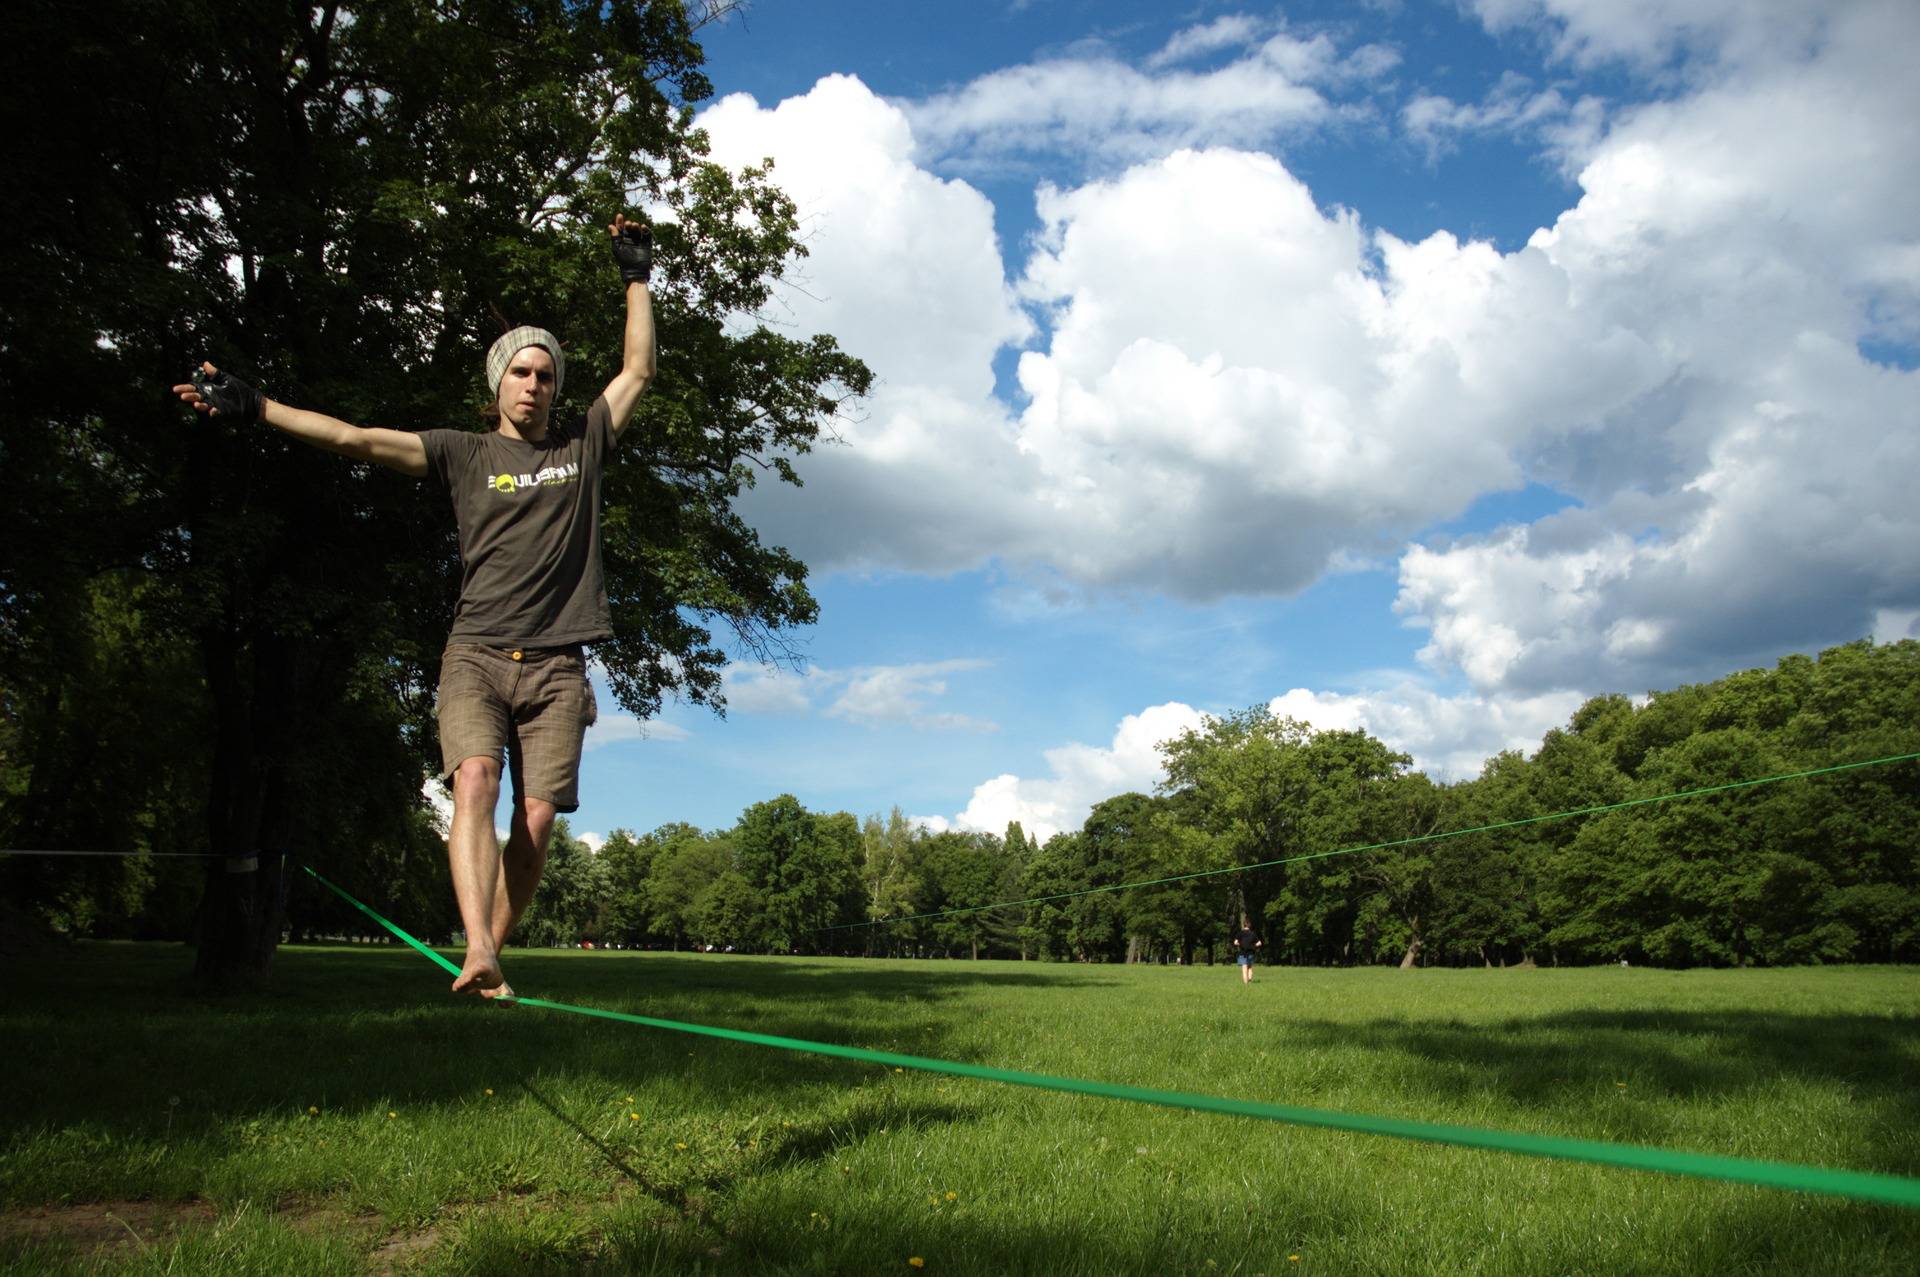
x=529, y=516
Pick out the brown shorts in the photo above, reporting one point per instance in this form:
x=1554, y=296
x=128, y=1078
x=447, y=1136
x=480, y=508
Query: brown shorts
x=532, y=706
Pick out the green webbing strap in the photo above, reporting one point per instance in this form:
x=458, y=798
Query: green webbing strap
x=1377, y=846
x=1860, y=1185
x=383, y=922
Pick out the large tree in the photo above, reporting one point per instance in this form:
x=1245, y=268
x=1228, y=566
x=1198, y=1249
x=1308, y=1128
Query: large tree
x=345, y=204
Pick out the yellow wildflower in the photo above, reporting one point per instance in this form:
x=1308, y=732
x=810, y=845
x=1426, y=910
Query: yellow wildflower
x=916, y=1262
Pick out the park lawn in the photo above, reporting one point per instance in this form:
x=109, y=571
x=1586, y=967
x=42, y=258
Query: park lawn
x=356, y=1118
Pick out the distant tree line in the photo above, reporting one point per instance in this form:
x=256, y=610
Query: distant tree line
x=1817, y=869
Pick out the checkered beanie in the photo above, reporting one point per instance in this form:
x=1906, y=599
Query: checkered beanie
x=501, y=353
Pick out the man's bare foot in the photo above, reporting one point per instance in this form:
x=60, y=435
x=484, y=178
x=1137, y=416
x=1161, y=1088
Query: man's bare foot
x=482, y=976
x=503, y=990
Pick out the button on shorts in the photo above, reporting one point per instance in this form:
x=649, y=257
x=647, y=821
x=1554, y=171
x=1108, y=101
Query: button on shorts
x=533, y=712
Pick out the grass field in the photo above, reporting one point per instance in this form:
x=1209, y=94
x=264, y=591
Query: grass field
x=356, y=1119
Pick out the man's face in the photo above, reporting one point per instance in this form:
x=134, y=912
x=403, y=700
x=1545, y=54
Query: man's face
x=526, y=391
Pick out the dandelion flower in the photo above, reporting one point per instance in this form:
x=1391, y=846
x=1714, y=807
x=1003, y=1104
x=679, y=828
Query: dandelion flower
x=679, y=1145
x=1295, y=1258
x=899, y=1070
x=489, y=1090
x=634, y=1116
x=952, y=1196
x=392, y=1114
x=311, y=1109
x=916, y=1262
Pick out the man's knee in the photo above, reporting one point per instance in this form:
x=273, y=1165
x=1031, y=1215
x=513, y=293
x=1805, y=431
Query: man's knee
x=477, y=778
x=538, y=815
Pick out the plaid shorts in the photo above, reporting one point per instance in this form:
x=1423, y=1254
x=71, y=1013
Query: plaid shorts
x=532, y=706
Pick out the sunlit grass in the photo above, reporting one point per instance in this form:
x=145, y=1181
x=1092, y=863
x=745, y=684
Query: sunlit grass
x=356, y=1118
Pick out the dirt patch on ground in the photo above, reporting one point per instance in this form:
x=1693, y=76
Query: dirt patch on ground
x=117, y=1230
x=392, y=1255
x=112, y=1228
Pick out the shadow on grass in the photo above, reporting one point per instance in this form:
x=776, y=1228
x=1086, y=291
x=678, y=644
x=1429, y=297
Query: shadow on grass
x=1693, y=1054
x=112, y=1036
x=1595, y=1067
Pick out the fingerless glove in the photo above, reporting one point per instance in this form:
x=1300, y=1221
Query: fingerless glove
x=633, y=251
x=229, y=396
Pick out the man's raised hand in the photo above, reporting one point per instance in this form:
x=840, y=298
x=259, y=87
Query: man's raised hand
x=222, y=394
x=632, y=249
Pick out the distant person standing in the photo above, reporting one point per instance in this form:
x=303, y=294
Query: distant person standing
x=1248, y=944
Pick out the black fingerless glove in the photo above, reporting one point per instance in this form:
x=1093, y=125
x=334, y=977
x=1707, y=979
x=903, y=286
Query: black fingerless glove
x=633, y=251
x=229, y=396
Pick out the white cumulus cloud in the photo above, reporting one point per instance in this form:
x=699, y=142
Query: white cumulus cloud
x=870, y=695
x=1082, y=776
x=1095, y=108
x=1748, y=494
x=1448, y=737
x=609, y=728
x=1235, y=387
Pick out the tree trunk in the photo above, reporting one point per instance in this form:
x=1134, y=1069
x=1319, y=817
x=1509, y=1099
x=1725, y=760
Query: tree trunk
x=1413, y=951
x=251, y=817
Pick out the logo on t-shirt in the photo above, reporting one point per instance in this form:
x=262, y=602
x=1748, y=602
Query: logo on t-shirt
x=511, y=483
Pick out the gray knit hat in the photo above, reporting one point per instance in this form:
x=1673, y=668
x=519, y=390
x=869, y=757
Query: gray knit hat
x=501, y=353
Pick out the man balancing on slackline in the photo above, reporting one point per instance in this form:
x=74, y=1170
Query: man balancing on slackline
x=513, y=679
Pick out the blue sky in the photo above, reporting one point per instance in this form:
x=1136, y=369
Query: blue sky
x=1416, y=366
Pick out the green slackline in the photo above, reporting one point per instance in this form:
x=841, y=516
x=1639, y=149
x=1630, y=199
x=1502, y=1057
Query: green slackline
x=1377, y=846
x=1866, y=1186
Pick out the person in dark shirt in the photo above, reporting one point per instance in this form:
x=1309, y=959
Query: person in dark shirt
x=1246, y=943
x=514, y=693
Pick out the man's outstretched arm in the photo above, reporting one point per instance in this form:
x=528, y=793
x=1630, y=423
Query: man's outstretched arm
x=633, y=250
x=396, y=449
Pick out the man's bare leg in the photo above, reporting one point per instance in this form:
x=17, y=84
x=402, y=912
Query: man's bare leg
x=524, y=860
x=473, y=854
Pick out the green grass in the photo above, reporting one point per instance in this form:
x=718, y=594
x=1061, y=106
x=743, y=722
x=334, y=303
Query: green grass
x=341, y=1123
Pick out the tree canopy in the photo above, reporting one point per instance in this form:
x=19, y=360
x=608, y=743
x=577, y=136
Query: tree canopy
x=219, y=640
